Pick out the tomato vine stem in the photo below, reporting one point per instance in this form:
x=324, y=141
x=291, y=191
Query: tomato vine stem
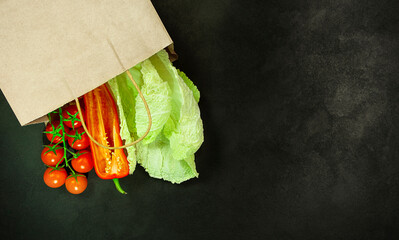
x=64, y=141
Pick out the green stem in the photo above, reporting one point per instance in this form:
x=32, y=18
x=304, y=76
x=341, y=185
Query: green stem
x=70, y=151
x=64, y=142
x=118, y=186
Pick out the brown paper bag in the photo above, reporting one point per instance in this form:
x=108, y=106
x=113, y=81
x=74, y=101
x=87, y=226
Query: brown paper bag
x=53, y=51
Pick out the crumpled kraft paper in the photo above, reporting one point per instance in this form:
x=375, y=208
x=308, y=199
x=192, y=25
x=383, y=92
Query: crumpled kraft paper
x=53, y=51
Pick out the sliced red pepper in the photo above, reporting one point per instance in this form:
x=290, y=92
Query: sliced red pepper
x=103, y=124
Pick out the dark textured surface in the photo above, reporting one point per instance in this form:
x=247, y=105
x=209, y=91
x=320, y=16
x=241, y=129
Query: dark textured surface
x=300, y=105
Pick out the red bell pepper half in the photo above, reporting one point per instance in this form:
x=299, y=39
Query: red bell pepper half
x=103, y=124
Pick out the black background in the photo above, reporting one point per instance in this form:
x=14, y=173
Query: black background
x=300, y=106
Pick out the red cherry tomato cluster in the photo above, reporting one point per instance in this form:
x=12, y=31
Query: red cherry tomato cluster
x=65, y=128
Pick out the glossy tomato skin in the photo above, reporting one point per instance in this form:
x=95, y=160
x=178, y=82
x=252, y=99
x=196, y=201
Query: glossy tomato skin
x=71, y=109
x=83, y=163
x=49, y=128
x=76, y=187
x=55, y=178
x=51, y=159
x=79, y=144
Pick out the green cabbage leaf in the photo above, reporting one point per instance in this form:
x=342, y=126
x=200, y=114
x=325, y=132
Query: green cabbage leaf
x=167, y=152
x=124, y=94
x=184, y=128
x=157, y=95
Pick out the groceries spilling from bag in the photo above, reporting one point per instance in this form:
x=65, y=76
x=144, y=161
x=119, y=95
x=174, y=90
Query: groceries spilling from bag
x=148, y=116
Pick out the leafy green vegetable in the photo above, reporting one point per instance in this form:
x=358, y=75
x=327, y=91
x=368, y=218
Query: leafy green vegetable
x=123, y=88
x=177, y=132
x=187, y=134
x=156, y=92
x=158, y=161
x=190, y=85
x=123, y=91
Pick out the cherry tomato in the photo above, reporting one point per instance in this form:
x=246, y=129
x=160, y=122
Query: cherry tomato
x=50, y=158
x=55, y=178
x=49, y=128
x=81, y=143
x=83, y=163
x=71, y=109
x=76, y=187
